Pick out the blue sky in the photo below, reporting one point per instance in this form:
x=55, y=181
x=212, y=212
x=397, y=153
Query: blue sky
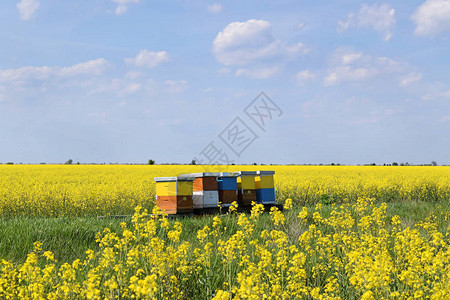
x=122, y=81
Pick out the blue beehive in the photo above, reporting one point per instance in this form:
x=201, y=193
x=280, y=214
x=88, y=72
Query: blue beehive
x=227, y=182
x=266, y=196
x=265, y=189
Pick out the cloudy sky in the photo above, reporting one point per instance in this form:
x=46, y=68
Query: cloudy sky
x=123, y=81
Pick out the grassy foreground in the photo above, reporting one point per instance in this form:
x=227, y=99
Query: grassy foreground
x=348, y=251
x=69, y=238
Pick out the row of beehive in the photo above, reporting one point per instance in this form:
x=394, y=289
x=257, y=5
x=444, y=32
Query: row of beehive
x=186, y=192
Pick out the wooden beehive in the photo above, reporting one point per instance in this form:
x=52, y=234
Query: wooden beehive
x=174, y=194
x=246, y=188
x=265, y=187
x=205, y=189
x=227, y=183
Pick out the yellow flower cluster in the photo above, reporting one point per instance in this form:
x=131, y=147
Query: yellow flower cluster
x=353, y=251
x=91, y=190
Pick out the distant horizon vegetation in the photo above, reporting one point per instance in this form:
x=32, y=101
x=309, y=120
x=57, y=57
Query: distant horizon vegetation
x=193, y=162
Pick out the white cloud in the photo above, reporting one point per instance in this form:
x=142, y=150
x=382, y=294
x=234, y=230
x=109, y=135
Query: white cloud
x=214, y=8
x=345, y=73
x=378, y=17
x=348, y=58
x=344, y=25
x=128, y=83
x=445, y=94
x=122, y=5
x=132, y=88
x=148, y=59
x=242, y=43
x=92, y=67
x=410, y=78
x=348, y=65
x=27, y=9
x=381, y=18
x=435, y=91
x=304, y=76
x=258, y=73
x=133, y=75
x=176, y=86
x=121, y=9
x=432, y=17
x=123, y=86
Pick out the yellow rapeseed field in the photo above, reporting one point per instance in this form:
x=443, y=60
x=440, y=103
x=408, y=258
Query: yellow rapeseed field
x=350, y=249
x=354, y=252
x=90, y=190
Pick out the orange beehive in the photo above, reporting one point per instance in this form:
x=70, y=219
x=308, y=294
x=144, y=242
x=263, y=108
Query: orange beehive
x=174, y=194
x=205, y=193
x=205, y=183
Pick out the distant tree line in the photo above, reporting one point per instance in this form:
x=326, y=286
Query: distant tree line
x=194, y=162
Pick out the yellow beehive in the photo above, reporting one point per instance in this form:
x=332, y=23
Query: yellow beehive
x=246, y=180
x=264, y=180
x=246, y=188
x=174, y=194
x=265, y=187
